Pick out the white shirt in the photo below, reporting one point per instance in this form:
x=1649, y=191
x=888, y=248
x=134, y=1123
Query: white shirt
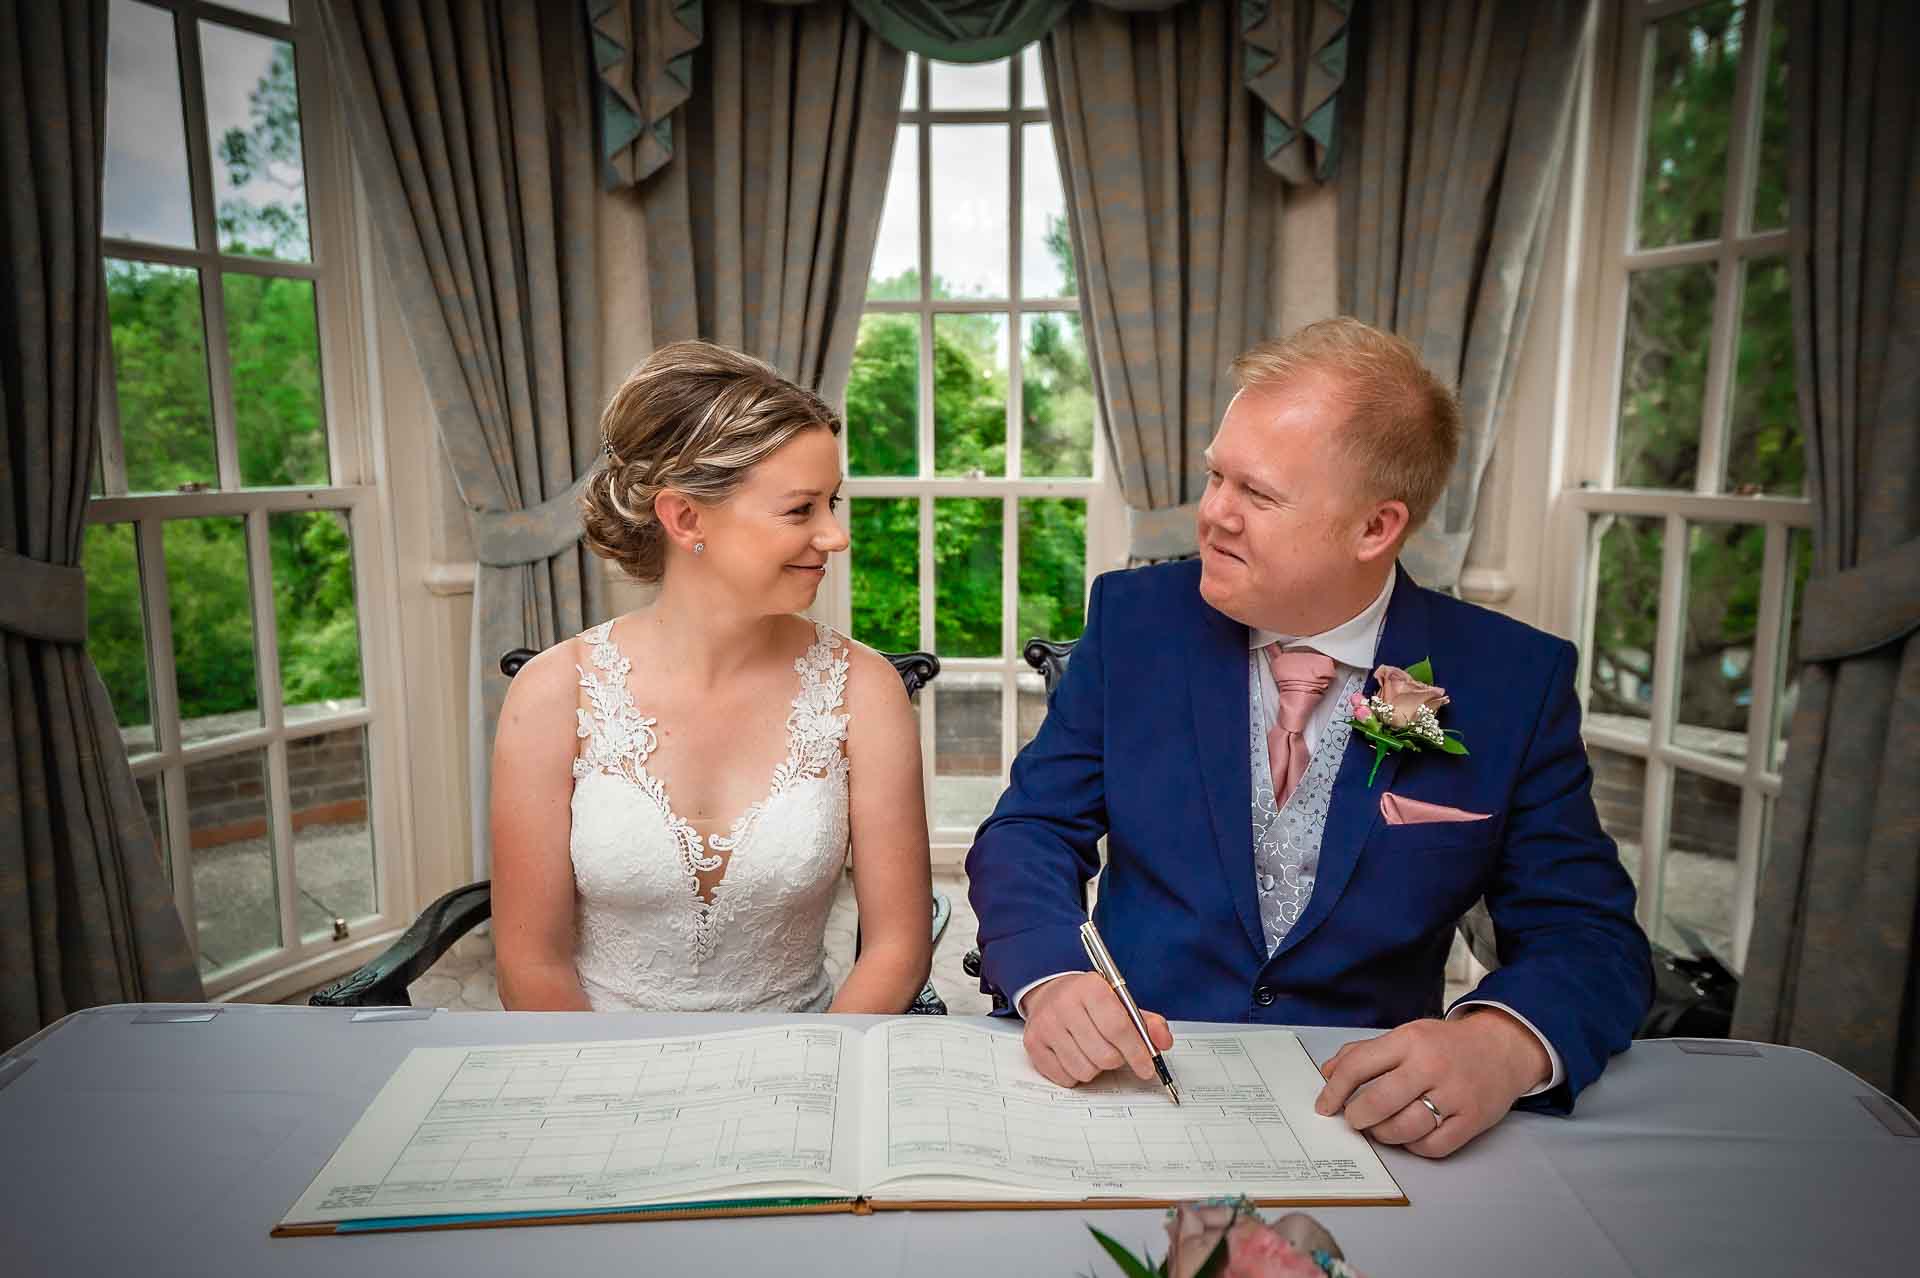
x=1352, y=645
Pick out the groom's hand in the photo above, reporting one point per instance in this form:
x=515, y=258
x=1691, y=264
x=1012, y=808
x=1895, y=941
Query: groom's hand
x=1077, y=1029
x=1472, y=1069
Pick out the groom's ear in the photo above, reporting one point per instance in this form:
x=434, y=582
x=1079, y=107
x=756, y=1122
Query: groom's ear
x=1383, y=531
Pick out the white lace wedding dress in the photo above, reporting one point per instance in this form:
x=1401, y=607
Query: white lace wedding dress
x=645, y=938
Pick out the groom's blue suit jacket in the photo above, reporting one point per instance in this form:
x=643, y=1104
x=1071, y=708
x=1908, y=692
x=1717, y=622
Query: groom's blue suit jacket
x=1146, y=742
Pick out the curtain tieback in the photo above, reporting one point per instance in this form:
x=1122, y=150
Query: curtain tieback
x=509, y=538
x=1168, y=533
x=43, y=601
x=1868, y=606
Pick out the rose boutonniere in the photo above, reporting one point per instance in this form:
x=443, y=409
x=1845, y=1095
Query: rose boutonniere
x=1403, y=714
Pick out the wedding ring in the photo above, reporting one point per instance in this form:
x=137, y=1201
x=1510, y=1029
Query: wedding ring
x=1438, y=1117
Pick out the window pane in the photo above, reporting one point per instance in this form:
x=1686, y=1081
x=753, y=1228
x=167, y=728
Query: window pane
x=895, y=275
x=1787, y=698
x=1697, y=873
x=1056, y=397
x=279, y=421
x=975, y=86
x=153, y=801
x=1691, y=61
x=966, y=576
x=317, y=623
x=253, y=128
x=1626, y=598
x=332, y=837
x=1053, y=568
x=117, y=629
x=1664, y=376
x=160, y=376
x=910, y=94
x=966, y=748
x=1032, y=708
x=1770, y=170
x=146, y=192
x=969, y=210
x=883, y=397
x=212, y=614
x=970, y=394
x=1722, y=608
x=1033, y=86
x=886, y=571
x=1764, y=450
x=1619, y=786
x=1046, y=246
x=235, y=898
x=274, y=9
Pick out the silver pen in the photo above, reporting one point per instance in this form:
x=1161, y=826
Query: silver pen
x=1103, y=964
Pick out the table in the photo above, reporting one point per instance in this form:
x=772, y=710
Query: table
x=131, y=1143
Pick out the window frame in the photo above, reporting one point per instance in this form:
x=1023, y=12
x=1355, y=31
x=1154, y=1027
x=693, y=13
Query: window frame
x=1617, y=93
x=341, y=251
x=950, y=843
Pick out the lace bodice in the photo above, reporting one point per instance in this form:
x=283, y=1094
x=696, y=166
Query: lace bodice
x=645, y=938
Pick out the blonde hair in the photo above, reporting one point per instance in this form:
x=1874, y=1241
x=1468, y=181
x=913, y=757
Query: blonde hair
x=694, y=418
x=1402, y=428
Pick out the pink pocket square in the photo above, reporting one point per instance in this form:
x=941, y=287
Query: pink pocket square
x=1401, y=811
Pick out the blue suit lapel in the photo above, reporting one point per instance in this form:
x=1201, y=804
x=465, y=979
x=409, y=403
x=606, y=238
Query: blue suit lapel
x=1354, y=807
x=1218, y=674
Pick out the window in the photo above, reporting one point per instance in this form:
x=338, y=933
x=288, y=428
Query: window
x=231, y=544
x=970, y=449
x=1685, y=498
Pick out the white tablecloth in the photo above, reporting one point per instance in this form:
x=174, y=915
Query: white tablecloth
x=173, y=1148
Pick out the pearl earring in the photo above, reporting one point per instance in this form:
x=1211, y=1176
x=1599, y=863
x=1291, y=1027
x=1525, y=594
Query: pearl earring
x=699, y=547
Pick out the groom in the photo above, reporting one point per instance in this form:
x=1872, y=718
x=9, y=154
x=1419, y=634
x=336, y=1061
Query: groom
x=1255, y=870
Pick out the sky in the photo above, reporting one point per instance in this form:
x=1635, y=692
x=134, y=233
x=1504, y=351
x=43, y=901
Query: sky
x=969, y=188
x=146, y=178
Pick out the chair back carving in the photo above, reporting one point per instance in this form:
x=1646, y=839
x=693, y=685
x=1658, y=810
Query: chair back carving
x=1049, y=657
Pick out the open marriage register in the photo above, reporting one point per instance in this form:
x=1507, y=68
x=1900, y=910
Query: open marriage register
x=812, y=1116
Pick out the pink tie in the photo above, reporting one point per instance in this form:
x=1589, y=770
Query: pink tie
x=1301, y=677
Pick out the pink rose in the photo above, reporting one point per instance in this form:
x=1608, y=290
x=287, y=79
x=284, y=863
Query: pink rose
x=1255, y=1250
x=1193, y=1231
x=1406, y=695
x=1356, y=702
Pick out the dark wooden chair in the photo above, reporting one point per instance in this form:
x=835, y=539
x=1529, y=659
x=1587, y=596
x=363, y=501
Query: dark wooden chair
x=383, y=981
x=1049, y=657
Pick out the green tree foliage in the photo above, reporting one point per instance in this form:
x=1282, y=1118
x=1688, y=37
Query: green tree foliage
x=1694, y=62
x=970, y=438
x=166, y=423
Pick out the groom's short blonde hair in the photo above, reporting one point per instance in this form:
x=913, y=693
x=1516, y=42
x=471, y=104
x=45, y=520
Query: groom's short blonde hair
x=1402, y=427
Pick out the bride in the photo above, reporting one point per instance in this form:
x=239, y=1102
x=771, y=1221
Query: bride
x=675, y=790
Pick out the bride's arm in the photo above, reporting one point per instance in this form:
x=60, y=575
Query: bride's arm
x=887, y=810
x=532, y=823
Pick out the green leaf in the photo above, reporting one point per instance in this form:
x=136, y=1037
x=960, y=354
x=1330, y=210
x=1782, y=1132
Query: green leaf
x=1421, y=670
x=1453, y=745
x=1130, y=1265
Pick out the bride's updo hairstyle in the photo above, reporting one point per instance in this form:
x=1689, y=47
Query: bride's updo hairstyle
x=694, y=418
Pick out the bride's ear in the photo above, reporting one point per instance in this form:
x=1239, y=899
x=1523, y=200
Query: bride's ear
x=680, y=518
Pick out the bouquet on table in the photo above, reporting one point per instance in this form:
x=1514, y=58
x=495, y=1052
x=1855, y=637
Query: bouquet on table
x=1227, y=1238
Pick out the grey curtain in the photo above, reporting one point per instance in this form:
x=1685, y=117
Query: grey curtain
x=1295, y=63
x=1456, y=126
x=86, y=912
x=472, y=127
x=761, y=234
x=1171, y=214
x=1833, y=964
